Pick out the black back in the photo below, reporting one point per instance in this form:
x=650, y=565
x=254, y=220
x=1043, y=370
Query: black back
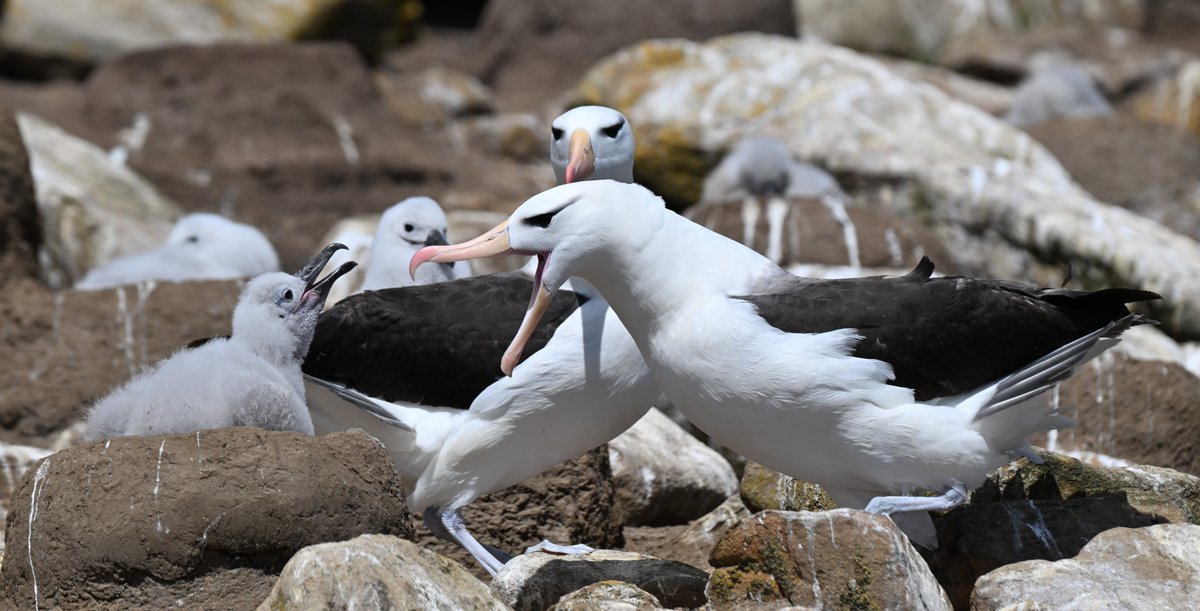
x=944, y=336
x=437, y=344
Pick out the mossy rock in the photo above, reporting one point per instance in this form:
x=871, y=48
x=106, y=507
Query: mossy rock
x=764, y=489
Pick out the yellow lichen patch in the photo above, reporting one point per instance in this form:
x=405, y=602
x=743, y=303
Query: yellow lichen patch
x=733, y=585
x=670, y=164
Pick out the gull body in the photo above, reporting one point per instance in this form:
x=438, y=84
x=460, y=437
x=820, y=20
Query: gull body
x=876, y=388
x=418, y=366
x=201, y=246
x=251, y=378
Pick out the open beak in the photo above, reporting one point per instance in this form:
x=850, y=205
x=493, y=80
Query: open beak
x=319, y=290
x=582, y=162
x=492, y=243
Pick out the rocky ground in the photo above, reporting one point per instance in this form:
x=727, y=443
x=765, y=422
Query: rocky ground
x=111, y=133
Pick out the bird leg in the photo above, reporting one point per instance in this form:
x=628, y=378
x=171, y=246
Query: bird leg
x=448, y=524
x=954, y=496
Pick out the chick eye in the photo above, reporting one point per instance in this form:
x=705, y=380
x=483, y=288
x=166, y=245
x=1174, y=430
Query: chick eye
x=612, y=130
x=556, y=133
x=408, y=227
x=192, y=239
x=287, y=295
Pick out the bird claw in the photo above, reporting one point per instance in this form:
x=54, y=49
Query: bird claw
x=557, y=548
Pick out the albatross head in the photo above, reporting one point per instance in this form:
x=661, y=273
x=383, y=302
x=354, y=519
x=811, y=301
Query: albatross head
x=570, y=228
x=277, y=312
x=591, y=142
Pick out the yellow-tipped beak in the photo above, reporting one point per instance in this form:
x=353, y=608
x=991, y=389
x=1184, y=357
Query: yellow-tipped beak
x=582, y=162
x=537, y=306
x=493, y=242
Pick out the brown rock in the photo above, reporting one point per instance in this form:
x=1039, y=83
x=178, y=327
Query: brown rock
x=574, y=502
x=209, y=518
x=1146, y=412
x=763, y=489
x=19, y=229
x=66, y=349
x=811, y=233
x=837, y=559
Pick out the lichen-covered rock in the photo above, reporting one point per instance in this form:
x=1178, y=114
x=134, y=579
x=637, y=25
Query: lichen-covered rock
x=1174, y=101
x=376, y=572
x=432, y=95
x=85, y=31
x=92, y=210
x=518, y=136
x=20, y=232
x=608, y=596
x=836, y=559
x=764, y=489
x=664, y=475
x=1001, y=204
x=535, y=582
x=930, y=29
x=1143, y=569
x=209, y=517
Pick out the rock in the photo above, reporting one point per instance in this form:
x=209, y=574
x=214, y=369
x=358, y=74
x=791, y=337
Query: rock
x=92, y=210
x=1141, y=411
x=574, y=502
x=269, y=134
x=519, y=136
x=20, y=233
x=1050, y=512
x=537, y=581
x=999, y=202
x=839, y=559
x=1136, y=569
x=932, y=29
x=608, y=596
x=376, y=572
x=209, y=517
x=663, y=475
x=66, y=349
x=1056, y=91
x=432, y=95
x=689, y=543
x=1173, y=101
x=992, y=98
x=90, y=31
x=14, y=461
x=764, y=489
x=827, y=231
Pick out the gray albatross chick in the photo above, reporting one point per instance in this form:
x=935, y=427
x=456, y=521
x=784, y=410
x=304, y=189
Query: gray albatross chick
x=252, y=378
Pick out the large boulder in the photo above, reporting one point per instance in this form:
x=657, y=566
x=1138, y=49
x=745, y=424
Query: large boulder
x=376, y=572
x=1174, y=100
x=92, y=209
x=664, y=475
x=209, y=518
x=1143, y=569
x=764, y=489
x=574, y=502
x=837, y=559
x=20, y=233
x=1002, y=205
x=66, y=349
x=86, y=31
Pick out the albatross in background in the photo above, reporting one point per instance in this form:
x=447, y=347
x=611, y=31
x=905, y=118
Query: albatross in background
x=875, y=388
x=201, y=246
x=404, y=229
x=251, y=378
x=417, y=367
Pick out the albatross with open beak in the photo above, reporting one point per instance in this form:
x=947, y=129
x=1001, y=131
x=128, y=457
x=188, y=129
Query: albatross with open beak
x=876, y=388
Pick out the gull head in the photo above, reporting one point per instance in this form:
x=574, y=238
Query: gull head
x=591, y=143
x=578, y=228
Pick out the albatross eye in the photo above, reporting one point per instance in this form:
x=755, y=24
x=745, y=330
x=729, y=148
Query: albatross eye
x=556, y=133
x=612, y=130
x=541, y=220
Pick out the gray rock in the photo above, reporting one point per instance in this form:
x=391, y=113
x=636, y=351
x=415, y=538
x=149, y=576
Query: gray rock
x=1001, y=204
x=537, y=581
x=1150, y=568
x=208, y=518
x=518, y=136
x=664, y=475
x=608, y=596
x=93, y=210
x=842, y=558
x=376, y=572
x=433, y=95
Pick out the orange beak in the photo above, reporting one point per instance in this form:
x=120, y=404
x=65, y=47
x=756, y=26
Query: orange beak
x=582, y=162
x=494, y=242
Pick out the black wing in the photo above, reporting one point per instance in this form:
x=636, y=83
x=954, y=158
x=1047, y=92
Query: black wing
x=437, y=344
x=944, y=336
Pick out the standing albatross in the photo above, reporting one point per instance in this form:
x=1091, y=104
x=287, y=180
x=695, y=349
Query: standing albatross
x=876, y=388
x=417, y=367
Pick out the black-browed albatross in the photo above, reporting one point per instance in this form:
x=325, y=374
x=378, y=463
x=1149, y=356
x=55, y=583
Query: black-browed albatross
x=421, y=363
x=876, y=388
